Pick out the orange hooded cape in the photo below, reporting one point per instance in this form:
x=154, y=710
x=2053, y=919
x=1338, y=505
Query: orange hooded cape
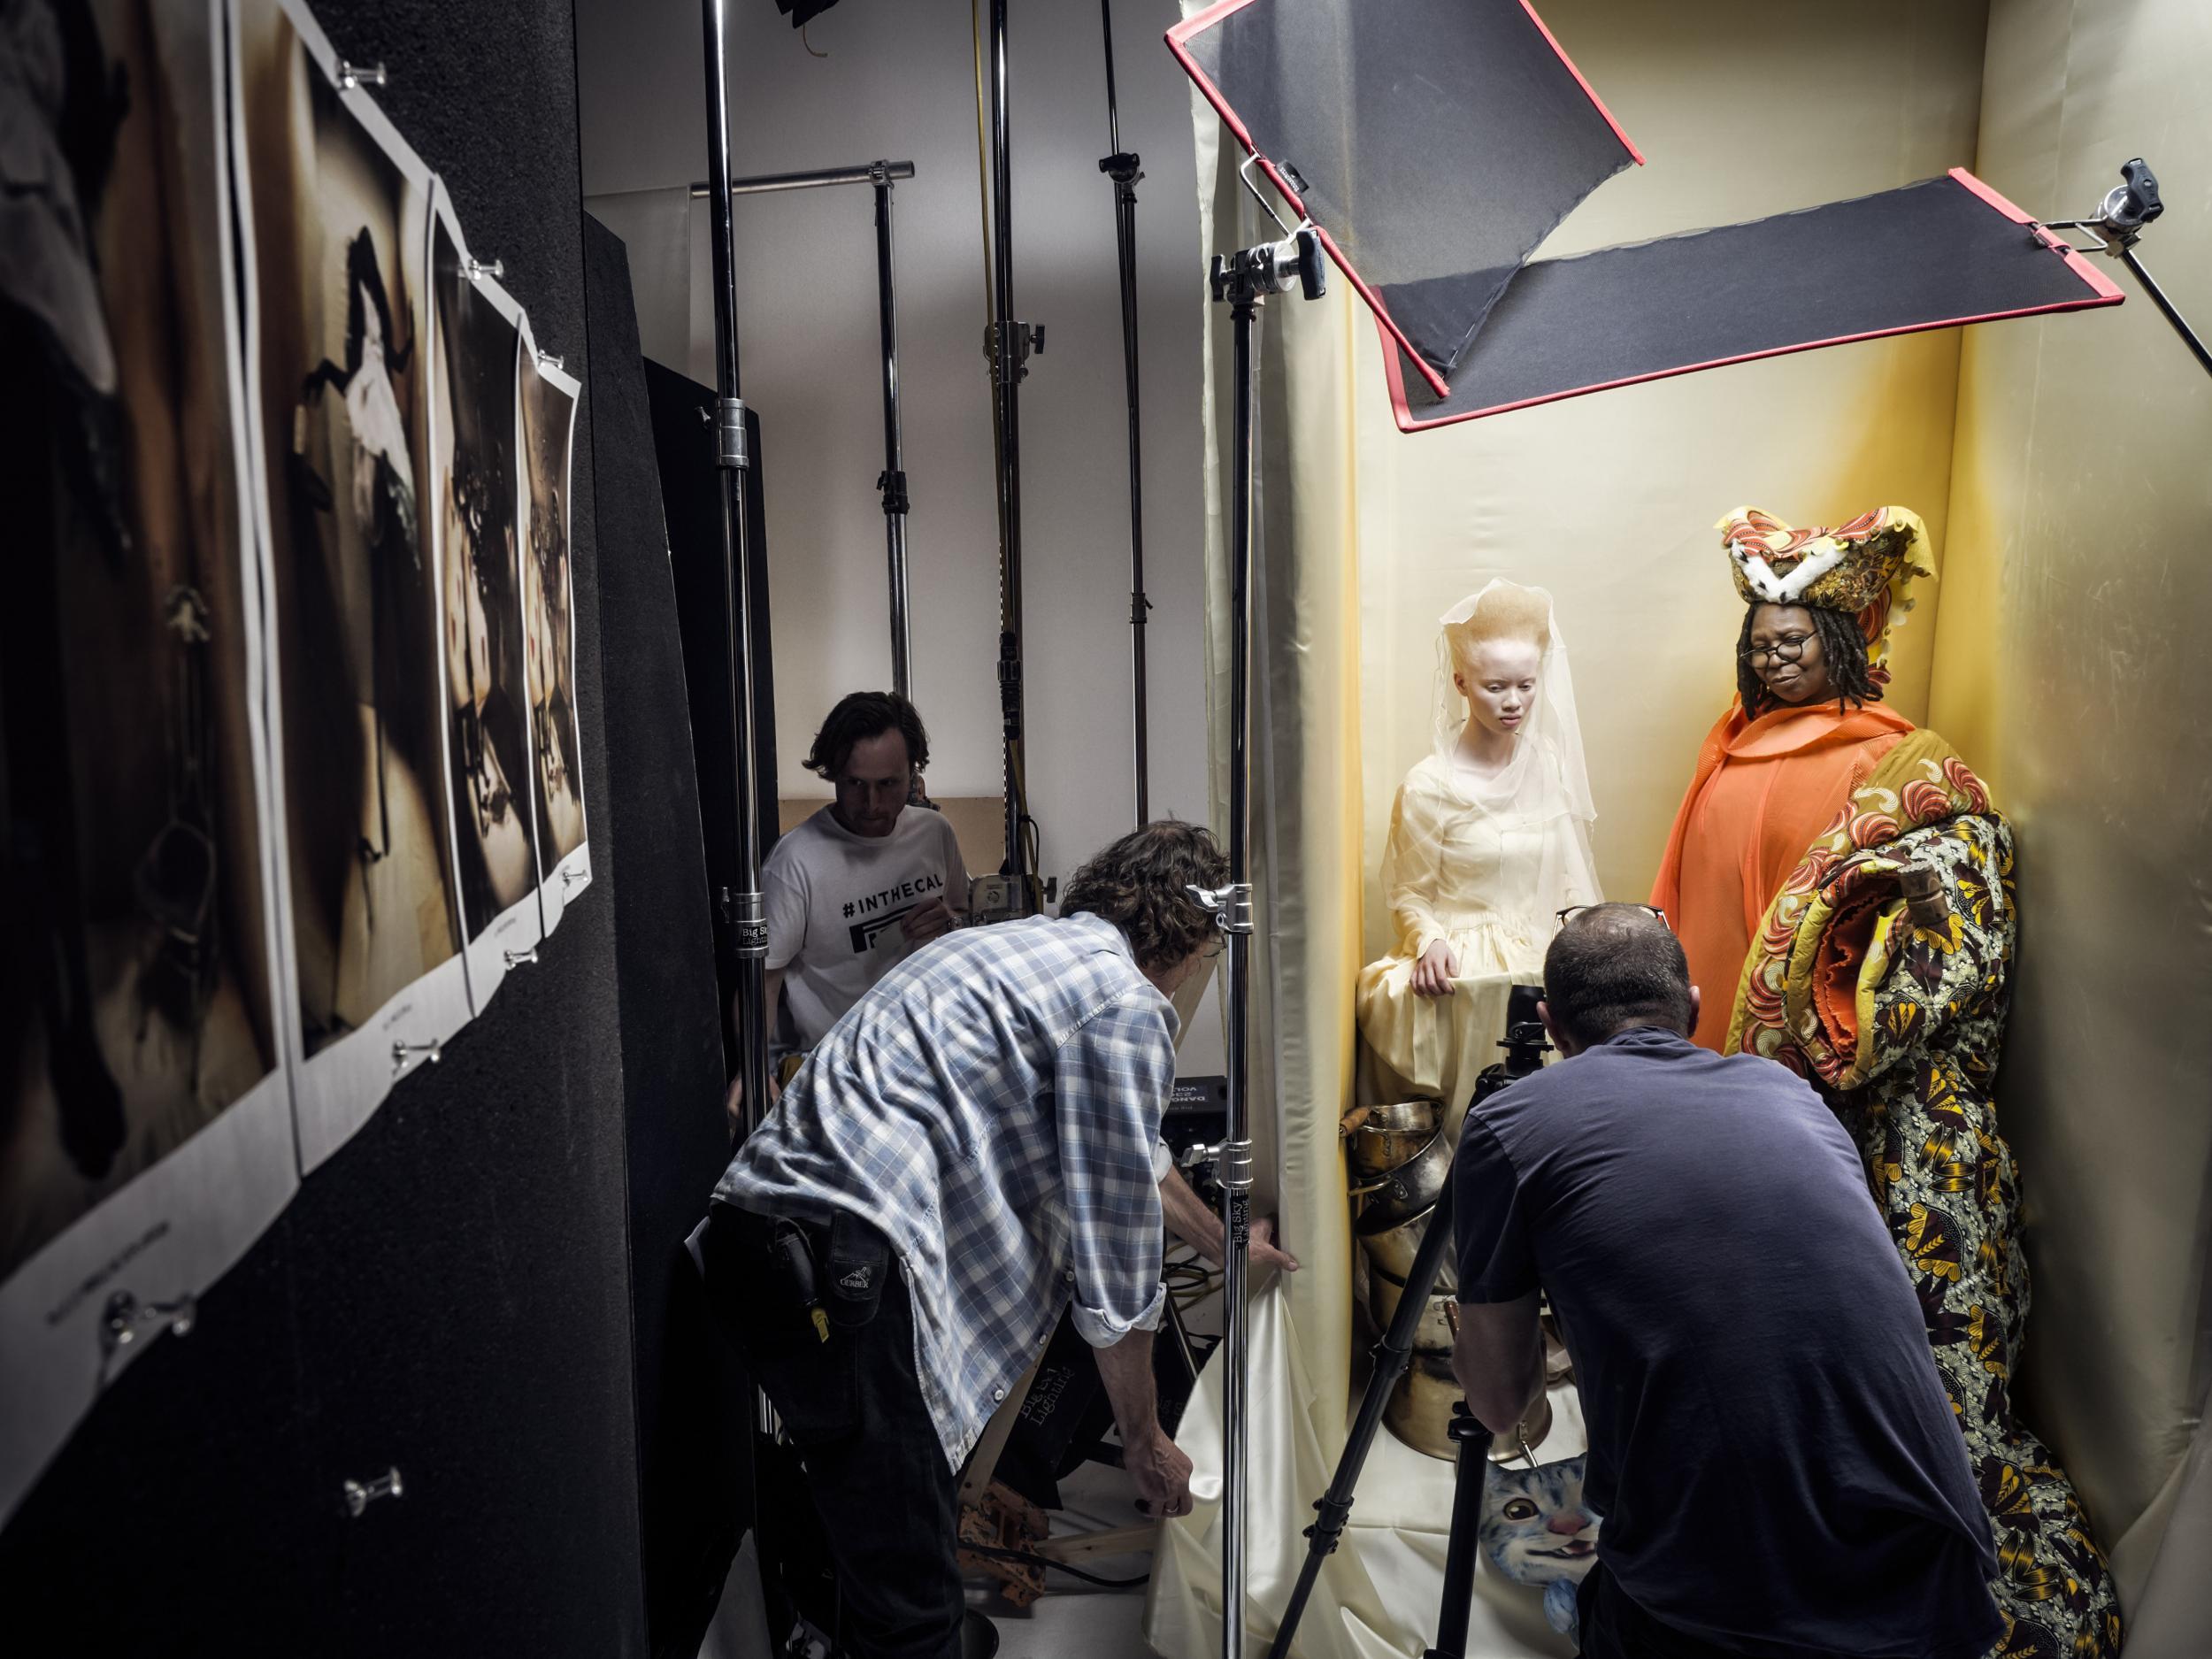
x=1764, y=790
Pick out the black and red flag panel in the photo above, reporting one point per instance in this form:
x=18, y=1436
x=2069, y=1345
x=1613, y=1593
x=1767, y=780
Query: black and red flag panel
x=1933, y=255
x=1434, y=143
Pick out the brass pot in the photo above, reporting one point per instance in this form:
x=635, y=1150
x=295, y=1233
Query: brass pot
x=1410, y=1189
x=1390, y=1135
x=1391, y=1249
x=1436, y=1334
x=1420, y=1408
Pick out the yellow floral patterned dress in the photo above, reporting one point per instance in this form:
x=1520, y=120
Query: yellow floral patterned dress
x=1899, y=1018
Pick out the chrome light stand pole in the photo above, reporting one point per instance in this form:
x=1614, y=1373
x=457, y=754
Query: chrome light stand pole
x=893, y=482
x=884, y=175
x=742, y=909
x=1008, y=344
x=1243, y=281
x=1125, y=169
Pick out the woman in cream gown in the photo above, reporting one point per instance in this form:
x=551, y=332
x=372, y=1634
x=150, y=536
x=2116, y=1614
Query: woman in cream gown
x=1489, y=840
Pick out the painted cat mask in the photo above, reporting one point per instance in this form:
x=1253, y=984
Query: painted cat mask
x=1537, y=1531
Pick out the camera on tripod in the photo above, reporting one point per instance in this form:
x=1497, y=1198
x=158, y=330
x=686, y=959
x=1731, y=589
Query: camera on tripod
x=1525, y=1044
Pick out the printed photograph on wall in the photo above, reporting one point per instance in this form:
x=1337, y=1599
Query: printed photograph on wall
x=339, y=209
x=547, y=398
x=476, y=508
x=145, y=1130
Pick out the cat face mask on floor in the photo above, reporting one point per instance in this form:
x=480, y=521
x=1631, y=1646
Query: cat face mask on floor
x=1535, y=1530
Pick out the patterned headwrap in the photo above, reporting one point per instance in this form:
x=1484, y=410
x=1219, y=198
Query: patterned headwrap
x=1862, y=569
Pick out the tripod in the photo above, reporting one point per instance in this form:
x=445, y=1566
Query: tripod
x=1524, y=1048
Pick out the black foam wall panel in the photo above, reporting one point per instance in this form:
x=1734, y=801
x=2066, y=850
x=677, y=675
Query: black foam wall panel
x=692, y=487
x=452, y=1294
x=695, y=1417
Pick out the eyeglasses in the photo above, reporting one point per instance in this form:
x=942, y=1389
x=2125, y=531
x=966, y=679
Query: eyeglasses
x=1788, y=649
x=1212, y=951
x=1573, y=910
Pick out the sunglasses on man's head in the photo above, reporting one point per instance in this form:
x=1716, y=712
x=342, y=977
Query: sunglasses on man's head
x=1573, y=910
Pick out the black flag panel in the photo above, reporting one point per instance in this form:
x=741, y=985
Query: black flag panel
x=1933, y=255
x=1434, y=143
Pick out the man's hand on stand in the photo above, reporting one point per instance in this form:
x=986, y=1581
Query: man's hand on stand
x=733, y=1103
x=1266, y=1253
x=925, y=922
x=1162, y=1474
x=1191, y=1221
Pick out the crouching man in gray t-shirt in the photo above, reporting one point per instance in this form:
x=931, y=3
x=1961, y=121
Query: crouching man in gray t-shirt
x=849, y=893
x=1771, y=1451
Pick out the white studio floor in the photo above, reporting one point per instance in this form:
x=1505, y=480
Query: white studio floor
x=1072, y=1620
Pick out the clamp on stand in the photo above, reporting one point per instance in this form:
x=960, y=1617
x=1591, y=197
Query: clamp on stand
x=2119, y=225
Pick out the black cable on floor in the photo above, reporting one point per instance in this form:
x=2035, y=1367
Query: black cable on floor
x=1023, y=1557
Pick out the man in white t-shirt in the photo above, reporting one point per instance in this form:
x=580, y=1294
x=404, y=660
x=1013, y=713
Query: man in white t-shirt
x=853, y=889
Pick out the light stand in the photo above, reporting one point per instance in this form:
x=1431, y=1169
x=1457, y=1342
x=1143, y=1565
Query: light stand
x=1392, y=1355
x=741, y=908
x=1123, y=168
x=892, y=481
x=1007, y=344
x=2119, y=226
x=1525, y=1049
x=1244, y=280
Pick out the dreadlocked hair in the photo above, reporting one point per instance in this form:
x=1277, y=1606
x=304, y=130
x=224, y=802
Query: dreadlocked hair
x=1842, y=648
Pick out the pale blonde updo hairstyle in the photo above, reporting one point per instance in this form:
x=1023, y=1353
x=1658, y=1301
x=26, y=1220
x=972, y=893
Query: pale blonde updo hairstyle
x=1507, y=611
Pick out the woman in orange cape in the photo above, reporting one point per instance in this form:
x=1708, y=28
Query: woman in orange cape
x=1842, y=887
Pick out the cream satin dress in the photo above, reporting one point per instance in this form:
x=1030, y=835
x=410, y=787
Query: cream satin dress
x=1485, y=865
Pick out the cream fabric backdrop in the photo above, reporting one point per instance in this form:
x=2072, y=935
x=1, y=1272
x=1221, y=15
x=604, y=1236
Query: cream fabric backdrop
x=1368, y=535
x=2071, y=667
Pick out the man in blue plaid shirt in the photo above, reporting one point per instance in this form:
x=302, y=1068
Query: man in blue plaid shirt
x=986, y=1117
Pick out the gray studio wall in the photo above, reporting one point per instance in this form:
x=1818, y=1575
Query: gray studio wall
x=897, y=83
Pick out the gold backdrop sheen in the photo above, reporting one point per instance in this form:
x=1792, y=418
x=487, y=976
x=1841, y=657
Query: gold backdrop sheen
x=1609, y=502
x=2071, y=668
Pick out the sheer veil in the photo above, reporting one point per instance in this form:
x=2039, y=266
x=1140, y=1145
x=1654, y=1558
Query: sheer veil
x=1544, y=790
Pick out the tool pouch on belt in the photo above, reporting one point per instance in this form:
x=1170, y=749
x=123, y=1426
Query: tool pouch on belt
x=792, y=1271
x=859, y=1256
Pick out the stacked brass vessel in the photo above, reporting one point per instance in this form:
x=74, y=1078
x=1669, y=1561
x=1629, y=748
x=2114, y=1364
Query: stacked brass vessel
x=1399, y=1158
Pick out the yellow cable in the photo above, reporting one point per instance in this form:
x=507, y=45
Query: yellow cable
x=982, y=159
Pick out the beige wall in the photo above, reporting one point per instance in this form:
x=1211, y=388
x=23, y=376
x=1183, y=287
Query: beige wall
x=1611, y=501
x=2071, y=668
x=896, y=82
x=2062, y=468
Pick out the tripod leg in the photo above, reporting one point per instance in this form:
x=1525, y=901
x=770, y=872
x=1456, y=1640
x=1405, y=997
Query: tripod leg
x=1473, y=1440
x=1392, y=1355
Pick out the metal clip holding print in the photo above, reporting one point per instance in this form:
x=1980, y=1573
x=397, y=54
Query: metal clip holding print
x=1435, y=143
x=126, y=1319
x=359, y=1495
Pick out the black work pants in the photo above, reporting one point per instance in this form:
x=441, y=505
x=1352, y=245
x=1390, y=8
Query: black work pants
x=887, y=1500
x=1614, y=1627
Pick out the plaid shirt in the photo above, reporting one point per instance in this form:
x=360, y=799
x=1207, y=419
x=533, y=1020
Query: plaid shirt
x=991, y=1107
